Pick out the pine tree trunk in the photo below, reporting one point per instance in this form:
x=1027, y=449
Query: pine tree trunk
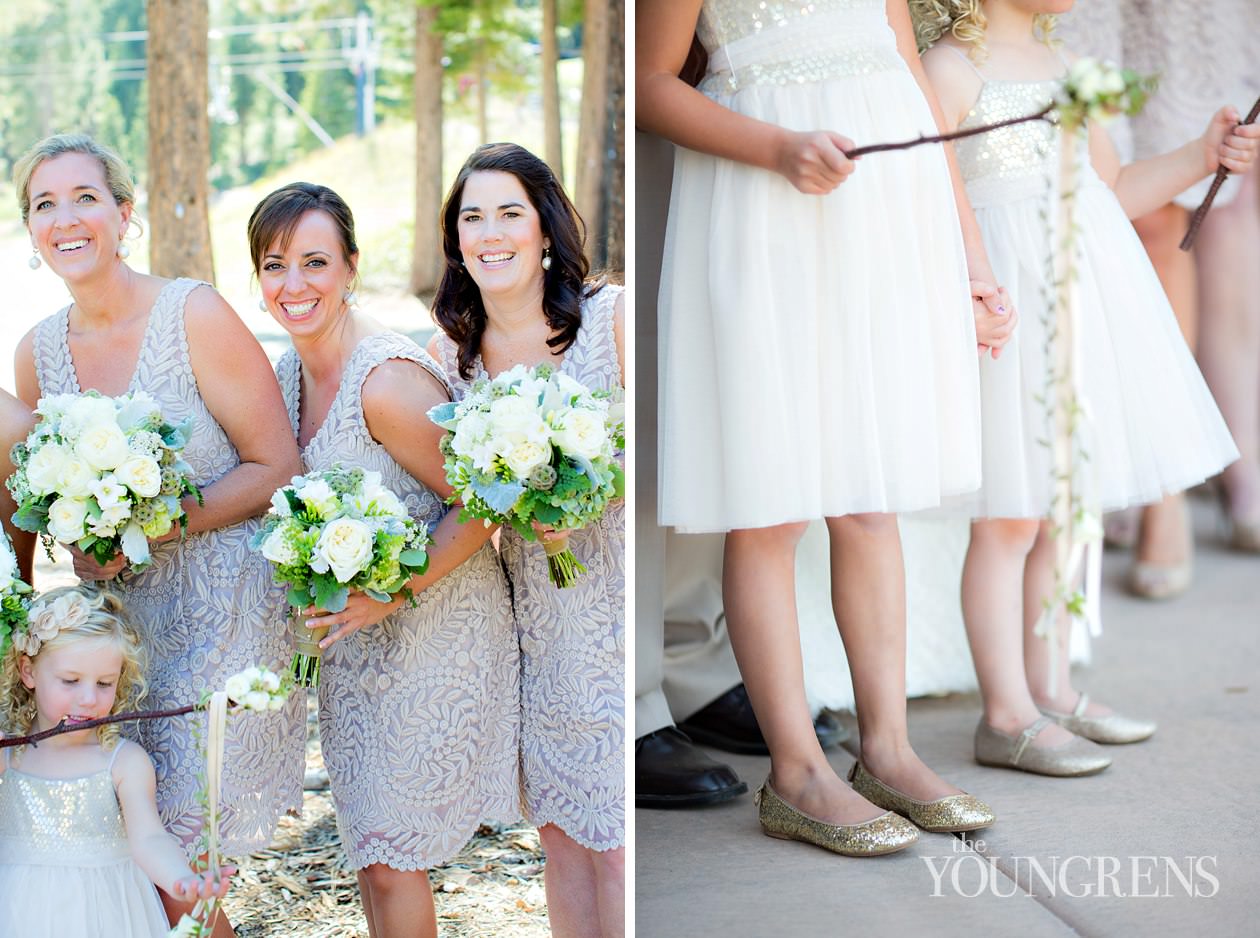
x=427, y=261
x=179, y=139
x=615, y=189
x=551, y=91
x=592, y=131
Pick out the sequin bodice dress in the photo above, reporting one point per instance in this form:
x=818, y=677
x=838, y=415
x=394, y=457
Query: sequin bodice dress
x=418, y=714
x=1155, y=428
x=206, y=607
x=573, y=641
x=65, y=864
x=817, y=352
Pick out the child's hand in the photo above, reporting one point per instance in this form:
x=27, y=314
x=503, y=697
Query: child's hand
x=995, y=317
x=815, y=162
x=1230, y=144
x=203, y=885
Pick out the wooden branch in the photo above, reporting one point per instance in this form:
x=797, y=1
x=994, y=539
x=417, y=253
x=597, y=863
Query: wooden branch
x=63, y=727
x=1043, y=114
x=1201, y=212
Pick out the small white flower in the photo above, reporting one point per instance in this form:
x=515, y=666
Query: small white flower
x=108, y=491
x=280, y=504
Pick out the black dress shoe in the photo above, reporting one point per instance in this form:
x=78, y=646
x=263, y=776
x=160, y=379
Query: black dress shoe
x=730, y=724
x=670, y=771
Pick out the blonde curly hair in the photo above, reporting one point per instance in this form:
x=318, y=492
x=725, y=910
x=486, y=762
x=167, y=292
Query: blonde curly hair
x=106, y=619
x=965, y=21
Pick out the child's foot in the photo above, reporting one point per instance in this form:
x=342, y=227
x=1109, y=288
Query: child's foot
x=1014, y=722
x=1163, y=561
x=898, y=767
x=820, y=793
x=1094, y=721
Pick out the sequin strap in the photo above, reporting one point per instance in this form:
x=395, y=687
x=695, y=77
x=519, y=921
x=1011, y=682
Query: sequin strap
x=807, y=49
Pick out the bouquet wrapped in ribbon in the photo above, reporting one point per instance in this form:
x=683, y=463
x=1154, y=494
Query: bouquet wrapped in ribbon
x=332, y=531
x=103, y=473
x=534, y=445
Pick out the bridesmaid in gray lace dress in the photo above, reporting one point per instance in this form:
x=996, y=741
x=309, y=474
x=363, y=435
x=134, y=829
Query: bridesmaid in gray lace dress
x=418, y=703
x=206, y=606
x=515, y=291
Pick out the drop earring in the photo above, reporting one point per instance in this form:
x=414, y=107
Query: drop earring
x=262, y=305
x=546, y=261
x=350, y=297
x=33, y=261
x=123, y=251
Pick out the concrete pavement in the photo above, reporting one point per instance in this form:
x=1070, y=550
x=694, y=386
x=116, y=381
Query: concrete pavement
x=1163, y=843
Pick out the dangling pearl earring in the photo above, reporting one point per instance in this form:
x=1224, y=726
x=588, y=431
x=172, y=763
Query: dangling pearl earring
x=350, y=297
x=34, y=260
x=262, y=305
x=123, y=251
x=546, y=261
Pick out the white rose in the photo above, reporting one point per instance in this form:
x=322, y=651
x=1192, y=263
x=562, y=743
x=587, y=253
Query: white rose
x=85, y=413
x=237, y=687
x=55, y=407
x=277, y=547
x=508, y=410
x=108, y=491
x=524, y=457
x=141, y=474
x=65, y=519
x=102, y=446
x=346, y=546
x=76, y=478
x=581, y=433
x=319, y=496
x=43, y=470
x=1112, y=81
x=270, y=681
x=258, y=700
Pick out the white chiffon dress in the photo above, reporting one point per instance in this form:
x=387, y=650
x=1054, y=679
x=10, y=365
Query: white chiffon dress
x=817, y=353
x=1153, y=427
x=65, y=864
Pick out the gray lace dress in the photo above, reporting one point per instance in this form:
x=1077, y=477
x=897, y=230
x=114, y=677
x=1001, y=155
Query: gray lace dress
x=206, y=608
x=419, y=714
x=573, y=640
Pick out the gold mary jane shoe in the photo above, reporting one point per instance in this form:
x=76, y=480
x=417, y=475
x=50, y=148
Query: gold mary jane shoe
x=1074, y=758
x=1113, y=729
x=950, y=814
x=887, y=833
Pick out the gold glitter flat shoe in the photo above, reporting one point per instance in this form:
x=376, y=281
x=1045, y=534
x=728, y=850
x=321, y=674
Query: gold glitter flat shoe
x=1113, y=729
x=1076, y=757
x=887, y=833
x=962, y=812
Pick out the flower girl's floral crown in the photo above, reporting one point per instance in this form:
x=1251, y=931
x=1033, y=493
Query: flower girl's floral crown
x=47, y=618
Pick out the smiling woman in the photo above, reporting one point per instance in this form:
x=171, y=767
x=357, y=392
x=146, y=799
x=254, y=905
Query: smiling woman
x=205, y=603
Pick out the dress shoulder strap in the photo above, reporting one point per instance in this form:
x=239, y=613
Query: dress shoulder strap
x=965, y=57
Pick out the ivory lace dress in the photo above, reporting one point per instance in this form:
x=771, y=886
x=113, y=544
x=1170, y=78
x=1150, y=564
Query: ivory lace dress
x=206, y=608
x=65, y=864
x=418, y=714
x=573, y=640
x=817, y=353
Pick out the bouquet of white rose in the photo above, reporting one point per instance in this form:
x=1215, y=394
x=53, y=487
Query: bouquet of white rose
x=104, y=473
x=15, y=597
x=534, y=445
x=331, y=532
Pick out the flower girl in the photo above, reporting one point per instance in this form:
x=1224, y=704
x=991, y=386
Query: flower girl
x=1154, y=427
x=80, y=838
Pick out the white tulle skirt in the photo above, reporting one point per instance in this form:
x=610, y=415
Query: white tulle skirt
x=817, y=353
x=1154, y=428
x=110, y=899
